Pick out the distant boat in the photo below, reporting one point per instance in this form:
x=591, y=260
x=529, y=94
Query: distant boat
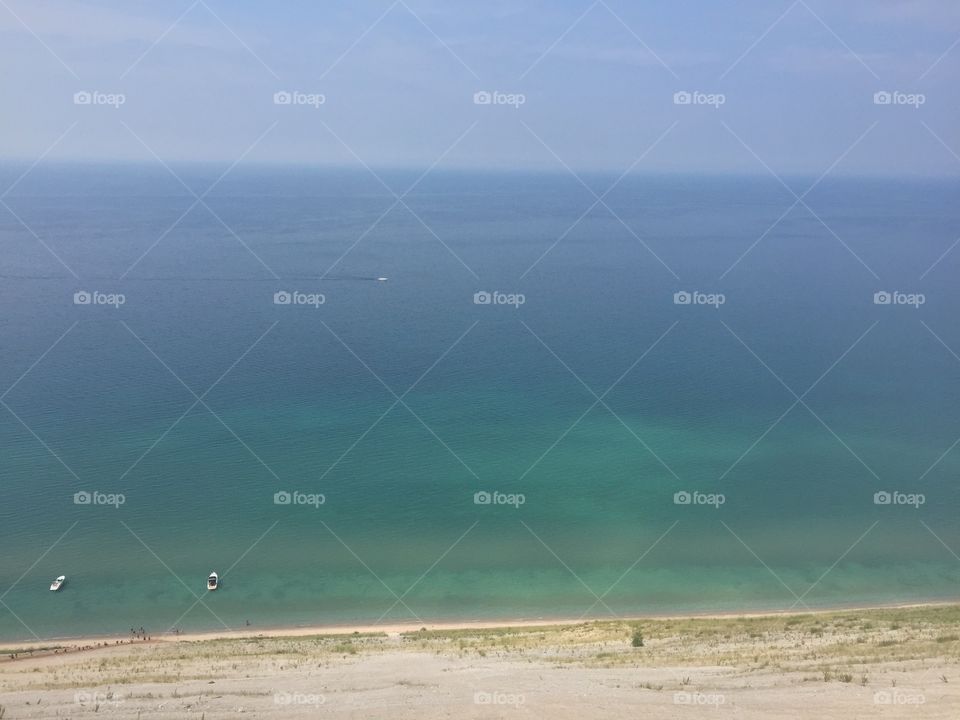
x=381, y=279
x=213, y=581
x=58, y=583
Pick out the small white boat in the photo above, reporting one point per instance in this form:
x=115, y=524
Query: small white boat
x=213, y=581
x=58, y=583
x=381, y=279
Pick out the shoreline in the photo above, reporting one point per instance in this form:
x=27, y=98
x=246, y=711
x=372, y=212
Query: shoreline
x=892, y=663
x=85, y=643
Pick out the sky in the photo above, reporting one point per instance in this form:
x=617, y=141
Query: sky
x=781, y=86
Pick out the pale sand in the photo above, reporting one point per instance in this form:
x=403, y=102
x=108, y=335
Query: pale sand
x=397, y=628
x=840, y=664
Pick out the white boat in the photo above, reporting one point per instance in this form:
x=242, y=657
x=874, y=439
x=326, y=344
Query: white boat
x=213, y=581
x=58, y=583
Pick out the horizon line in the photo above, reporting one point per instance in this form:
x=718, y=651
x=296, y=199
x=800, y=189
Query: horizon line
x=479, y=169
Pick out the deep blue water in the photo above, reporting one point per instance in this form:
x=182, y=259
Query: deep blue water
x=503, y=398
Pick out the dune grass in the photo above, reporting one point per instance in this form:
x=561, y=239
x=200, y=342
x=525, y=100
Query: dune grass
x=852, y=647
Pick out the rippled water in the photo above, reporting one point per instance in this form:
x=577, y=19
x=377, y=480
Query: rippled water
x=586, y=412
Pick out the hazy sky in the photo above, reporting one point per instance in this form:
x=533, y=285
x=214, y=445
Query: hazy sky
x=597, y=79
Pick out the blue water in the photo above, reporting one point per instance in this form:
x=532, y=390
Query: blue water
x=503, y=398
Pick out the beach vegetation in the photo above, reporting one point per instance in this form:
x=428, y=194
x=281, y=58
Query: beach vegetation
x=844, y=652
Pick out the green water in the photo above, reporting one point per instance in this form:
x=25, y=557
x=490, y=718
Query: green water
x=504, y=401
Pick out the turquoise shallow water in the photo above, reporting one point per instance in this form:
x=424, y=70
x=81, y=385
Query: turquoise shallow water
x=504, y=399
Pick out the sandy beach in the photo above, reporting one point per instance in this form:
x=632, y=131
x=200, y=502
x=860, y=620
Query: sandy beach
x=393, y=628
x=877, y=662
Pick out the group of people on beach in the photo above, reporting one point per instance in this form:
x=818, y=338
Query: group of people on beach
x=135, y=634
x=140, y=634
